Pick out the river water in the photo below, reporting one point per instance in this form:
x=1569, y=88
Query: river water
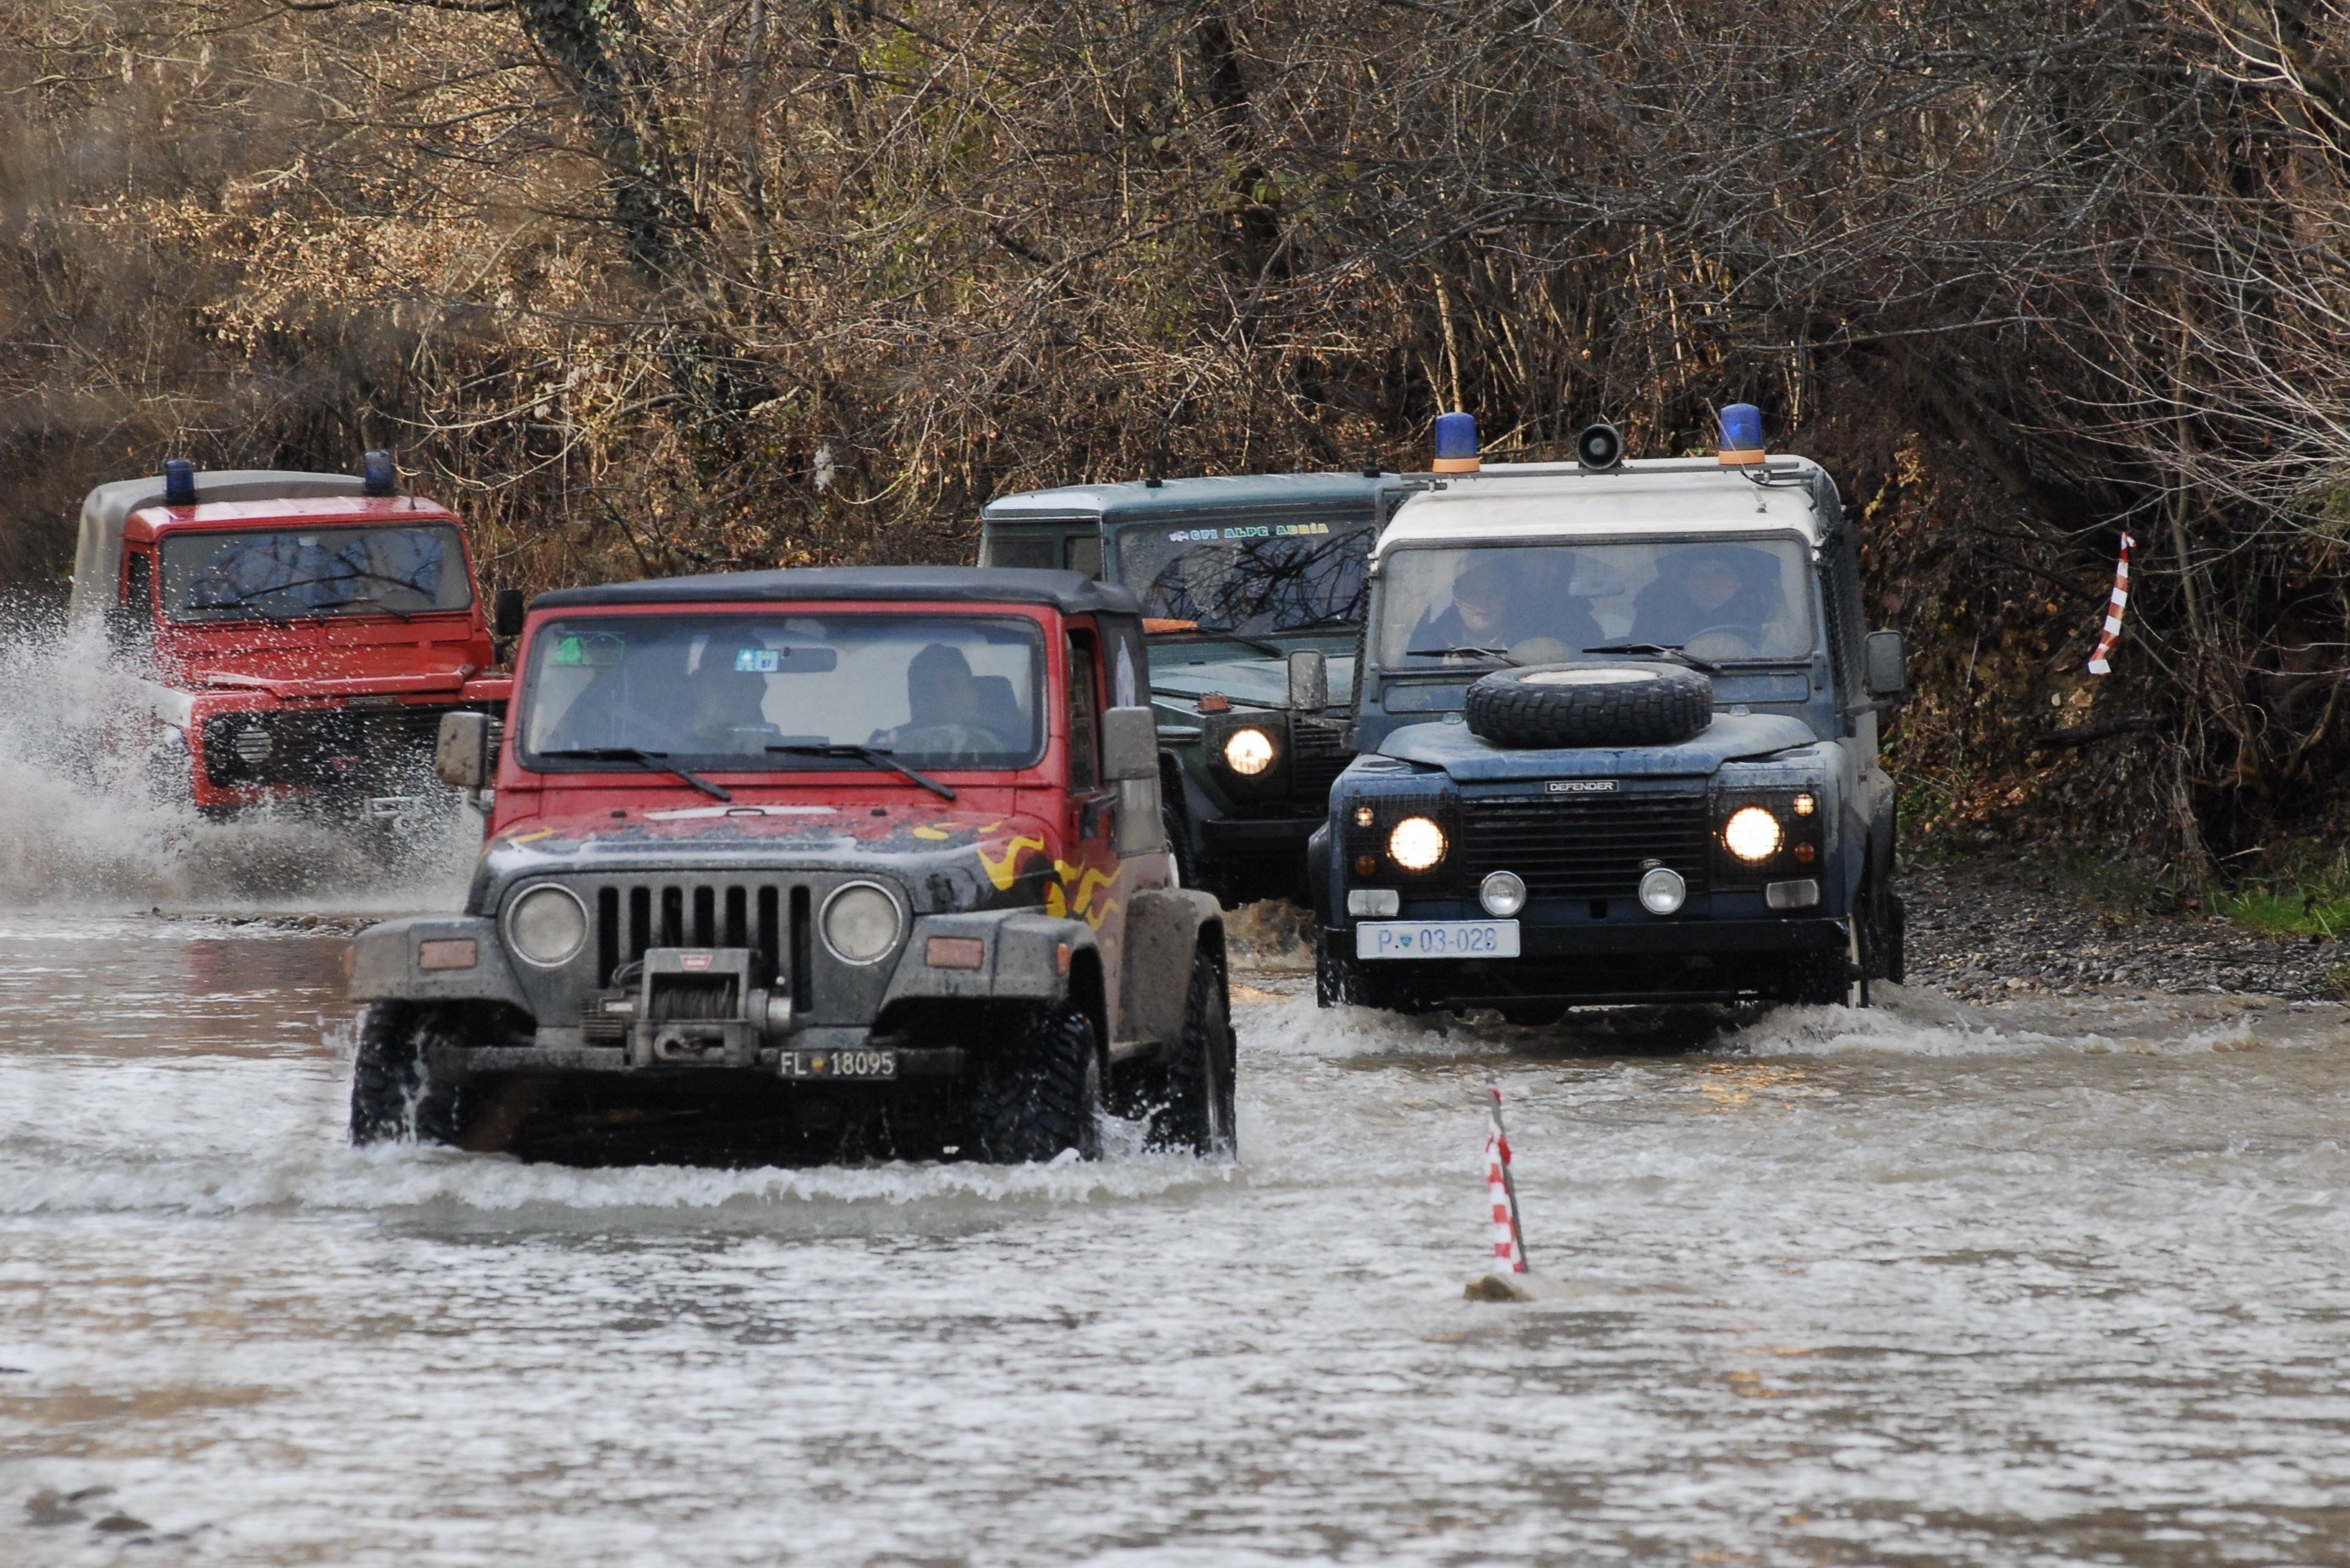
x=2040, y=1284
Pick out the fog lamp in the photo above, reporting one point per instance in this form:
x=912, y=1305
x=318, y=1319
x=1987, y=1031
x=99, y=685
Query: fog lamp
x=1662, y=891
x=955, y=953
x=1417, y=844
x=1751, y=833
x=448, y=952
x=1503, y=894
x=547, y=926
x=1248, y=753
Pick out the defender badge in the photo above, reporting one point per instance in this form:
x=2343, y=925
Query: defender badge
x=1583, y=786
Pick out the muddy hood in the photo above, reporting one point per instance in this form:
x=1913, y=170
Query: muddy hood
x=945, y=859
x=1732, y=737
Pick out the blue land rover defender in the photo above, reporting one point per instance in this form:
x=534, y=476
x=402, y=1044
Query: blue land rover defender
x=1617, y=736
x=1253, y=589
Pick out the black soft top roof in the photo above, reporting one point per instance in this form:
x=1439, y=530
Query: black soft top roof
x=1071, y=593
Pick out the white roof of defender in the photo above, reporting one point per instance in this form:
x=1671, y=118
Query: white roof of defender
x=1542, y=501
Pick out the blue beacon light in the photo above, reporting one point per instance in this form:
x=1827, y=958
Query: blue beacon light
x=1456, y=443
x=1741, y=435
x=179, y=481
x=379, y=474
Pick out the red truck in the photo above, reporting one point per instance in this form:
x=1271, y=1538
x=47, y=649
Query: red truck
x=871, y=858
x=298, y=636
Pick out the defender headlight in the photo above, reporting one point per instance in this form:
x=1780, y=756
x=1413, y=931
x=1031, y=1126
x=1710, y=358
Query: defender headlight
x=860, y=923
x=547, y=926
x=1417, y=844
x=1752, y=834
x=1248, y=753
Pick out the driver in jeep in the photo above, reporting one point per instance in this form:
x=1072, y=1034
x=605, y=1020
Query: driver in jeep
x=945, y=704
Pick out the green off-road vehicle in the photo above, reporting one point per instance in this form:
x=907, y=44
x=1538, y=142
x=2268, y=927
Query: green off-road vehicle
x=1252, y=586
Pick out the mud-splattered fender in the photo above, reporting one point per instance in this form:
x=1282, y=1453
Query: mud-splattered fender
x=1022, y=958
x=386, y=962
x=1164, y=926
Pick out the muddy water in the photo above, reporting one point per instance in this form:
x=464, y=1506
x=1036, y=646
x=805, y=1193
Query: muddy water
x=1926, y=1285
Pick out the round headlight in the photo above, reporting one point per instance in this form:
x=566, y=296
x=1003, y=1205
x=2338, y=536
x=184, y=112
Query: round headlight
x=1248, y=753
x=1416, y=844
x=547, y=926
x=1503, y=894
x=1662, y=891
x=860, y=923
x=1751, y=833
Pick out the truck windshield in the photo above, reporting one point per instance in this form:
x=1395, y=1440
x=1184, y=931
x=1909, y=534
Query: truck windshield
x=1727, y=601
x=1253, y=577
x=288, y=573
x=741, y=692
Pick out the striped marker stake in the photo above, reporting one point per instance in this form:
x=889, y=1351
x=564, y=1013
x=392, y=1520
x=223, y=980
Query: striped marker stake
x=2101, y=657
x=1509, y=1236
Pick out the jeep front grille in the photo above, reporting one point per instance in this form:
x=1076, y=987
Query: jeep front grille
x=771, y=918
x=1586, y=846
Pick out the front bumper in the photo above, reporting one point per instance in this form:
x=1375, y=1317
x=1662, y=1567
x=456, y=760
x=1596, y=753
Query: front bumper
x=1602, y=962
x=559, y=1051
x=1229, y=837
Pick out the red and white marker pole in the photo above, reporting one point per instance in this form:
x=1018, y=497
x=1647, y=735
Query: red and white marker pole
x=1509, y=1236
x=2101, y=657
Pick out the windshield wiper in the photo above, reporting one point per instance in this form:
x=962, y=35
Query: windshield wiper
x=654, y=760
x=1501, y=653
x=886, y=758
x=1672, y=650
x=1260, y=644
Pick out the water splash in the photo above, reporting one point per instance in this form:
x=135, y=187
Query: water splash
x=91, y=817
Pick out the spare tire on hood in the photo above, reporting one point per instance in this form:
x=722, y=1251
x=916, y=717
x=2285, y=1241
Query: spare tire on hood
x=1593, y=704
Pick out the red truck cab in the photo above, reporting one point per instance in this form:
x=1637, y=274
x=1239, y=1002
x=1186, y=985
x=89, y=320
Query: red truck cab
x=297, y=637
x=872, y=857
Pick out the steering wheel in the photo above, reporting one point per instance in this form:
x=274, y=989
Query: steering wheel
x=947, y=740
x=1731, y=642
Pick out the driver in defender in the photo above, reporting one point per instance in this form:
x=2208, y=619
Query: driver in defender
x=1700, y=588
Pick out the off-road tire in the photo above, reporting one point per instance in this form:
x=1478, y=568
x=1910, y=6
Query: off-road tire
x=1177, y=822
x=1591, y=705
x=1041, y=1091
x=394, y=1097
x=1340, y=981
x=1199, y=1113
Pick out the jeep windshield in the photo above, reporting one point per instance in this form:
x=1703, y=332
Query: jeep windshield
x=299, y=573
x=1722, y=601
x=1249, y=578
x=744, y=693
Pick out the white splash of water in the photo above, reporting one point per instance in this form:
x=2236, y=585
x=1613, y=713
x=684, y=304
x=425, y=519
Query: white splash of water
x=90, y=817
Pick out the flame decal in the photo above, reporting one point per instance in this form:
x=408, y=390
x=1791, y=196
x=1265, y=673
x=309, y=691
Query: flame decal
x=1005, y=869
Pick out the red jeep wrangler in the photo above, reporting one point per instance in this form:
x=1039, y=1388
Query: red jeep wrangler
x=861, y=860
x=300, y=633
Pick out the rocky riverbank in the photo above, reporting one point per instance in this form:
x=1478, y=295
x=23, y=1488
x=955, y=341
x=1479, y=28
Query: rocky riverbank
x=1984, y=928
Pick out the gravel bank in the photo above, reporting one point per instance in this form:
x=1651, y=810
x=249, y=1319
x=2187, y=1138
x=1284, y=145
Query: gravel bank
x=1985, y=929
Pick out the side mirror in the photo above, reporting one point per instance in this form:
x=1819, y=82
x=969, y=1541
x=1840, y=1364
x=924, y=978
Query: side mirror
x=1129, y=744
x=463, y=751
x=506, y=614
x=1886, y=660
x=1309, y=680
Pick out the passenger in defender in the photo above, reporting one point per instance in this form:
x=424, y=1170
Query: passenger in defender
x=1498, y=608
x=1731, y=589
